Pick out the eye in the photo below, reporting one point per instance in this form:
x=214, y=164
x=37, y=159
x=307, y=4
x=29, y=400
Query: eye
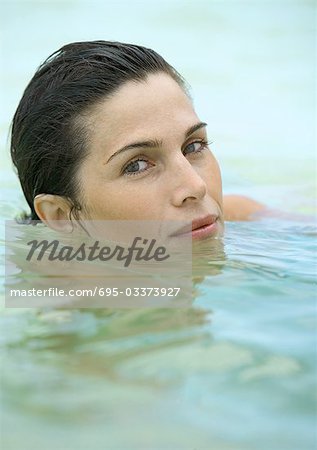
x=135, y=167
x=195, y=147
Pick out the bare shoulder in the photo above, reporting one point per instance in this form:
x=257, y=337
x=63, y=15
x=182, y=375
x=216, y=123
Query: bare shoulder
x=240, y=208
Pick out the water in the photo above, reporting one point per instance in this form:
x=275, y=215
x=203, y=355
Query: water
x=237, y=369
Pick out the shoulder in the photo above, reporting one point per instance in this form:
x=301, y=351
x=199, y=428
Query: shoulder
x=240, y=207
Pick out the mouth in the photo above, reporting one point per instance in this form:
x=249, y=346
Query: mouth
x=201, y=228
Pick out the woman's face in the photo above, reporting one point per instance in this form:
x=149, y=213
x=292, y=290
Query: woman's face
x=148, y=157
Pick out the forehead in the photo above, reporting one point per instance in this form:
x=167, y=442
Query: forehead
x=155, y=107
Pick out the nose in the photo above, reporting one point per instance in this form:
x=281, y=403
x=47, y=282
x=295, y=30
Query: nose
x=188, y=185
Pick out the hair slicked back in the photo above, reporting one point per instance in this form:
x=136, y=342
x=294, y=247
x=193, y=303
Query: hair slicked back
x=47, y=142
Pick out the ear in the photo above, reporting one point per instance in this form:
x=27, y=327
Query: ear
x=54, y=211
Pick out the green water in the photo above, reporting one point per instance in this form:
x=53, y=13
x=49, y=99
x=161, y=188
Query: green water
x=237, y=369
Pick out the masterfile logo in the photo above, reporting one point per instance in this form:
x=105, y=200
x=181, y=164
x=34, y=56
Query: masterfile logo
x=99, y=264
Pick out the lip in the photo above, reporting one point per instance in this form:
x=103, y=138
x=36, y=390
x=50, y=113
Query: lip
x=201, y=228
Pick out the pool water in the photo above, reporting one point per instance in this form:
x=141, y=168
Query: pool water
x=237, y=369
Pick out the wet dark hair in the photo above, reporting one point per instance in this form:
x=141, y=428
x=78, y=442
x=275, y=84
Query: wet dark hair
x=48, y=142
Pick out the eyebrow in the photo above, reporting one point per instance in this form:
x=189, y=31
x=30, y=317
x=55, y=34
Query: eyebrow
x=154, y=143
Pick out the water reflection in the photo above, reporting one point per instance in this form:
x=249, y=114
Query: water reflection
x=243, y=346
x=69, y=278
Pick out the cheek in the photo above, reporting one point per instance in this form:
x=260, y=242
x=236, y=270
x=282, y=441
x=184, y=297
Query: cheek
x=113, y=201
x=212, y=176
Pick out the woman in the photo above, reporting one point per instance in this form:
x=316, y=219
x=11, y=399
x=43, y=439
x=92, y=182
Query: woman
x=107, y=130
